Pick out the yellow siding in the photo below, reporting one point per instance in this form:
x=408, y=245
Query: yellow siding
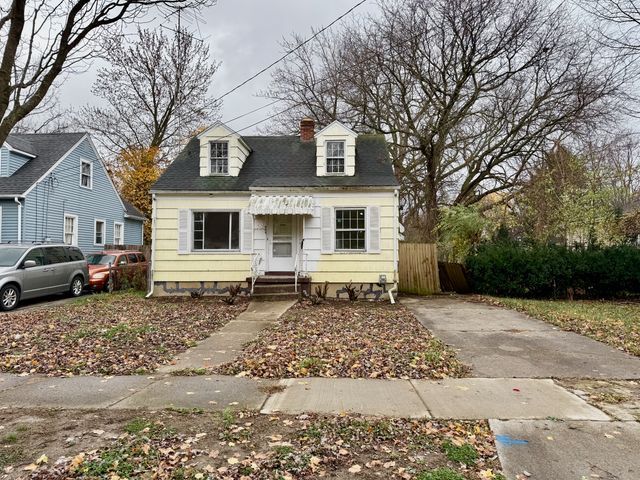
x=341, y=267
x=169, y=266
x=337, y=267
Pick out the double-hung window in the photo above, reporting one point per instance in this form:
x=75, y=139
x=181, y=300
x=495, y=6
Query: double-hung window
x=98, y=232
x=118, y=233
x=335, y=156
x=219, y=157
x=86, y=174
x=216, y=231
x=71, y=230
x=350, y=229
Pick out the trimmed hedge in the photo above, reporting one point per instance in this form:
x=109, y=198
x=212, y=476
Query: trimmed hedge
x=550, y=271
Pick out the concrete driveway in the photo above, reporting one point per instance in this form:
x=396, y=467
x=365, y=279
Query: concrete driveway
x=498, y=342
x=550, y=450
x=47, y=301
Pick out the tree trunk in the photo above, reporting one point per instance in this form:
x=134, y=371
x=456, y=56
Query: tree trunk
x=431, y=211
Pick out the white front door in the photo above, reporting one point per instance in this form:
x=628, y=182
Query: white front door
x=282, y=245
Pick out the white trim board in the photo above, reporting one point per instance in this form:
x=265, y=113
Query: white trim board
x=54, y=166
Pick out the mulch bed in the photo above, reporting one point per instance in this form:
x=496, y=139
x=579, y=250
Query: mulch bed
x=118, y=334
x=243, y=446
x=347, y=339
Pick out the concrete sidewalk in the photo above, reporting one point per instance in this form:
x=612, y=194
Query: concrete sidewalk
x=473, y=398
x=547, y=449
x=226, y=344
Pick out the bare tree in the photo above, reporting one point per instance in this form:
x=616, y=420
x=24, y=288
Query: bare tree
x=617, y=22
x=41, y=40
x=48, y=117
x=468, y=92
x=155, y=90
x=615, y=161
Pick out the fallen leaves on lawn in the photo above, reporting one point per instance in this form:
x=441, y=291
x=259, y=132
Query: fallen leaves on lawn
x=117, y=334
x=338, y=339
x=307, y=446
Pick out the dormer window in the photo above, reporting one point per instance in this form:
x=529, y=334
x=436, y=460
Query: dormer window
x=335, y=157
x=219, y=156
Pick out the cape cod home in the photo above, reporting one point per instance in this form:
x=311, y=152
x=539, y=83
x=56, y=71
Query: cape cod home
x=55, y=188
x=277, y=212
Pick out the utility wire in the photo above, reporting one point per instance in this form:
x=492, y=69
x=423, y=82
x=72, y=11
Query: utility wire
x=298, y=47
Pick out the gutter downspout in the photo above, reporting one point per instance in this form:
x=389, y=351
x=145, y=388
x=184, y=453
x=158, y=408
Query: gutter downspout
x=17, y=200
x=153, y=244
x=395, y=247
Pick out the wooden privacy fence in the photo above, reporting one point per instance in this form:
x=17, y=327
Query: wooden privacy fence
x=418, y=268
x=453, y=277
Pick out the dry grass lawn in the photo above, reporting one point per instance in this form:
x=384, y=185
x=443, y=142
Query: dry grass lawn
x=117, y=334
x=56, y=445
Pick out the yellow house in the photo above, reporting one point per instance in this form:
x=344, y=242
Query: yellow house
x=277, y=214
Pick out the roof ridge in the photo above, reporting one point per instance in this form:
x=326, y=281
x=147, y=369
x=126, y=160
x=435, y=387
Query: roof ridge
x=51, y=133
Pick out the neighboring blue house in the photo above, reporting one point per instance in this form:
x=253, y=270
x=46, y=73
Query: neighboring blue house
x=55, y=188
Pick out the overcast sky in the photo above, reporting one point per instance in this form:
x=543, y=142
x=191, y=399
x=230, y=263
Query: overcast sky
x=244, y=35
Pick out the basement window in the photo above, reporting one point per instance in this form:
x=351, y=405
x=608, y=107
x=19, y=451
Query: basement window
x=216, y=231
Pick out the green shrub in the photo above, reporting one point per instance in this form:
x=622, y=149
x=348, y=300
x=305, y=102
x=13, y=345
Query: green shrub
x=515, y=269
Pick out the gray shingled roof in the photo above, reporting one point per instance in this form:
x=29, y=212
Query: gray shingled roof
x=20, y=142
x=48, y=149
x=131, y=210
x=280, y=162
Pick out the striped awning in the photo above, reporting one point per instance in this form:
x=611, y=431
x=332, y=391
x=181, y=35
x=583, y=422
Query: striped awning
x=281, y=205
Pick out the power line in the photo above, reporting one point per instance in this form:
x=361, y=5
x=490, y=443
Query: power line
x=298, y=47
x=253, y=111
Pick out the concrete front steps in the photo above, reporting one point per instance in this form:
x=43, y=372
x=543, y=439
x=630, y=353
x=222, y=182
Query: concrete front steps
x=279, y=285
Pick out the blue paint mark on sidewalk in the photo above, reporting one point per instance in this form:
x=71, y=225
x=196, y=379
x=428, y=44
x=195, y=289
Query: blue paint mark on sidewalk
x=507, y=440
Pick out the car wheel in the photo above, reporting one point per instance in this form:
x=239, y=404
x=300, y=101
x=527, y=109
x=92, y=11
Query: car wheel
x=76, y=286
x=9, y=297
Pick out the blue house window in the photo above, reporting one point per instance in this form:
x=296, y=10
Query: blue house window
x=98, y=232
x=86, y=174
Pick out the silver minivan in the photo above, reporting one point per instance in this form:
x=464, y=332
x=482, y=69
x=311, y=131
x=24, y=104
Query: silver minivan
x=30, y=271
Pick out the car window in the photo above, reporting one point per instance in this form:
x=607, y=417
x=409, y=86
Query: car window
x=141, y=257
x=132, y=258
x=9, y=256
x=122, y=260
x=37, y=255
x=74, y=254
x=55, y=255
x=101, y=259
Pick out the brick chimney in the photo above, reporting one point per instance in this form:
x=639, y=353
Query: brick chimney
x=307, y=129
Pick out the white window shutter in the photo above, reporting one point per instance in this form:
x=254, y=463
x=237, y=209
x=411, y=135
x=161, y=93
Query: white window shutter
x=327, y=229
x=374, y=229
x=247, y=231
x=184, y=231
